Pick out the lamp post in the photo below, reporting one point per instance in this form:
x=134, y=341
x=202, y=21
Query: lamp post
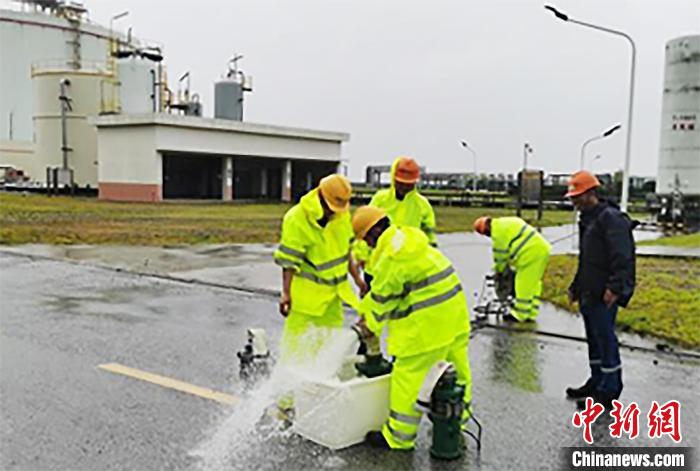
x=626, y=170
x=595, y=138
x=468, y=147
x=527, y=149
x=115, y=18
x=597, y=157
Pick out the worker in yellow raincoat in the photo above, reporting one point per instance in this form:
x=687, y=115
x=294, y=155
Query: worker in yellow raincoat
x=518, y=246
x=404, y=205
x=314, y=254
x=418, y=297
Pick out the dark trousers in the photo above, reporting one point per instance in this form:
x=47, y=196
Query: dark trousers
x=603, y=349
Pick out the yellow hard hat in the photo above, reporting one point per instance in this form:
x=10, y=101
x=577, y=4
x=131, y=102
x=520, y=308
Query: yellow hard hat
x=365, y=218
x=336, y=191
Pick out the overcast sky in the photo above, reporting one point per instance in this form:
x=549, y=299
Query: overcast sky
x=416, y=77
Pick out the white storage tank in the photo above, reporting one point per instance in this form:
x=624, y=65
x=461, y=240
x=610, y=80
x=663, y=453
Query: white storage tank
x=89, y=91
x=136, y=82
x=228, y=99
x=679, y=156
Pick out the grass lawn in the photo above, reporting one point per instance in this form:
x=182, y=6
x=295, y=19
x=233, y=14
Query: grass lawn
x=63, y=220
x=685, y=240
x=665, y=304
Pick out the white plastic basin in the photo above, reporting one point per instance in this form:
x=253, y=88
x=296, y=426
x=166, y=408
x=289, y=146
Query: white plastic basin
x=338, y=414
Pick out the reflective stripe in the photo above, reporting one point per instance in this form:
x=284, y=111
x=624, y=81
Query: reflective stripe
x=330, y=264
x=524, y=301
x=610, y=370
x=408, y=419
x=408, y=287
x=432, y=279
x=322, y=281
x=521, y=311
x=399, y=314
x=407, y=437
x=520, y=246
x=286, y=263
x=290, y=251
x=520, y=232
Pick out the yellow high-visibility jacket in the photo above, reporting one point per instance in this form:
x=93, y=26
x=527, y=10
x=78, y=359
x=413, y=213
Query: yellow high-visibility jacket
x=415, y=293
x=318, y=255
x=515, y=243
x=413, y=211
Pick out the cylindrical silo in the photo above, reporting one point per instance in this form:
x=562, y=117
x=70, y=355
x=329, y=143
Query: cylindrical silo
x=228, y=99
x=86, y=90
x=679, y=157
x=137, y=82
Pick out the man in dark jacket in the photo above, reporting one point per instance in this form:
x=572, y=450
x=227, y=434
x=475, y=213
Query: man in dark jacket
x=604, y=281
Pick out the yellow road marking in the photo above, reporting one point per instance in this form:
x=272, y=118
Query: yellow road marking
x=170, y=383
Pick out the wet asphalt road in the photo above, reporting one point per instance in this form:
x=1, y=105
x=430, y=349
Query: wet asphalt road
x=59, y=321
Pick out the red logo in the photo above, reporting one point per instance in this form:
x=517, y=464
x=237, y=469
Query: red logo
x=665, y=420
x=662, y=420
x=586, y=418
x=627, y=421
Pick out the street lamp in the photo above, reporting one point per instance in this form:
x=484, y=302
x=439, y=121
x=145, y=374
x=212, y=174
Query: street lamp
x=468, y=147
x=597, y=157
x=527, y=149
x=595, y=138
x=626, y=171
x=115, y=18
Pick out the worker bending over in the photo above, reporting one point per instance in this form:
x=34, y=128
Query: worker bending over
x=314, y=256
x=416, y=294
x=404, y=206
x=518, y=246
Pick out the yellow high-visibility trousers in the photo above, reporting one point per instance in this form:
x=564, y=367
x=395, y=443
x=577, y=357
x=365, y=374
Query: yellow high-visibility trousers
x=304, y=335
x=407, y=377
x=528, y=287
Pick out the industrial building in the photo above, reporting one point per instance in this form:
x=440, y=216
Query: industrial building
x=85, y=107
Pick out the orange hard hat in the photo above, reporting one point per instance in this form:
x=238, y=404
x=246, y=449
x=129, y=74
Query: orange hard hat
x=407, y=170
x=365, y=218
x=481, y=223
x=336, y=191
x=580, y=182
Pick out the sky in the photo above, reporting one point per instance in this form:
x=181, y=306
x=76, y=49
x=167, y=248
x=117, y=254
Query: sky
x=406, y=77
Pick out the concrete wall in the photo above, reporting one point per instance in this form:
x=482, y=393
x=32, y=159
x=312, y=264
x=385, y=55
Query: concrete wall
x=129, y=168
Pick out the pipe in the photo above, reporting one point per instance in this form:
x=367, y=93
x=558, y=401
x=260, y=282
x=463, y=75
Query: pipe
x=154, y=84
x=65, y=107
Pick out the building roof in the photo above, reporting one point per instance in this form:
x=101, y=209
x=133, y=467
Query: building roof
x=211, y=124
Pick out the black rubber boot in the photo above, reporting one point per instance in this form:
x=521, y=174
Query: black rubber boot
x=603, y=399
x=376, y=440
x=582, y=392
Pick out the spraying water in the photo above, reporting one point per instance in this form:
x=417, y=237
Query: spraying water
x=236, y=440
